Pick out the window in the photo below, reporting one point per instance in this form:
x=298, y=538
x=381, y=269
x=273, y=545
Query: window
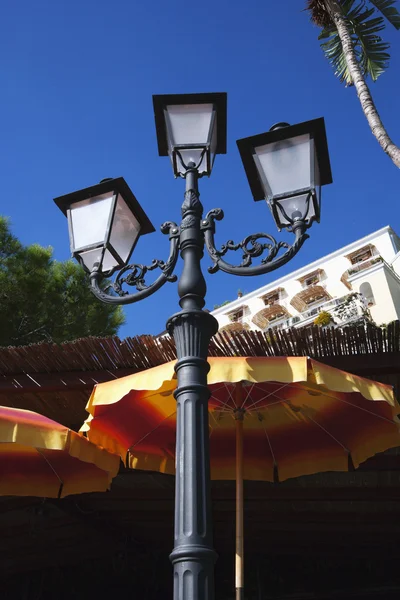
x=366, y=291
x=271, y=299
x=236, y=316
x=276, y=317
x=319, y=295
x=361, y=256
x=312, y=280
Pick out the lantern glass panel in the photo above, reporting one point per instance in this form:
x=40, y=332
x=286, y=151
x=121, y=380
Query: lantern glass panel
x=213, y=148
x=188, y=123
x=89, y=220
x=296, y=208
x=125, y=230
x=285, y=165
x=194, y=156
x=91, y=257
x=317, y=184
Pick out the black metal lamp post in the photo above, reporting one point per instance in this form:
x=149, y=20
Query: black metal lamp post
x=286, y=167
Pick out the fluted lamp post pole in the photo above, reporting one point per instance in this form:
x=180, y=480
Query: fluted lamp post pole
x=285, y=166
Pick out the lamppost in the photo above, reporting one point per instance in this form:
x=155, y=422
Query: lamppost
x=286, y=166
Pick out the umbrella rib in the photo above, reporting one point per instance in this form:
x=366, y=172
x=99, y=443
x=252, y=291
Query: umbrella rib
x=327, y=394
x=150, y=432
x=52, y=468
x=224, y=404
x=288, y=385
x=224, y=409
x=251, y=406
x=270, y=445
x=231, y=396
x=221, y=387
x=324, y=395
x=364, y=409
x=211, y=412
x=330, y=396
x=247, y=395
x=326, y=431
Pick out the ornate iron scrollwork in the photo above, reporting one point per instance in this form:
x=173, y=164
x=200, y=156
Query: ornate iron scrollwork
x=251, y=248
x=134, y=275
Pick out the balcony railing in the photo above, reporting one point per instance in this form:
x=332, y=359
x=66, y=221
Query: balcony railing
x=341, y=309
x=363, y=266
x=315, y=281
x=245, y=321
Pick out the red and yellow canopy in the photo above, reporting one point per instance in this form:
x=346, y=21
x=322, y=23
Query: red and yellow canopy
x=39, y=457
x=299, y=417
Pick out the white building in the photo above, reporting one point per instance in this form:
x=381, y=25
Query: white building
x=363, y=276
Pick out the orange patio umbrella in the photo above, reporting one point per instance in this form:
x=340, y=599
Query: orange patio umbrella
x=269, y=418
x=39, y=457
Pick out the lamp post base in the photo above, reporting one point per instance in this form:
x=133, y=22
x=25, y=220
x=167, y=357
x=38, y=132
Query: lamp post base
x=193, y=573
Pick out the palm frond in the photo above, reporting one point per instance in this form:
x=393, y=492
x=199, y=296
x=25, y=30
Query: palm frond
x=373, y=55
x=387, y=8
x=333, y=51
x=369, y=48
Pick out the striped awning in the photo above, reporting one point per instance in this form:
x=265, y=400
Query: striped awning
x=268, y=314
x=311, y=294
x=235, y=326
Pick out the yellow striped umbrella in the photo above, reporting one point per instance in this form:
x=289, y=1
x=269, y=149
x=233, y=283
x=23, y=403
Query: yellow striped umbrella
x=39, y=457
x=269, y=418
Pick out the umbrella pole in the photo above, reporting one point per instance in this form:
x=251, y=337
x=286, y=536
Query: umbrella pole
x=239, y=560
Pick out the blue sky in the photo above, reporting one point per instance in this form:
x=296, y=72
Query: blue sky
x=76, y=84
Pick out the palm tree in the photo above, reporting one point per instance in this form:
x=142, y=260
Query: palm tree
x=352, y=43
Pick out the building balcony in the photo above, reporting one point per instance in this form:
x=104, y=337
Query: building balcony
x=240, y=320
x=312, y=279
x=269, y=315
x=310, y=295
x=235, y=326
x=363, y=267
x=274, y=296
x=344, y=310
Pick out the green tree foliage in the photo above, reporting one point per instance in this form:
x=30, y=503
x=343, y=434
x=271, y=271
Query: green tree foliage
x=42, y=299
